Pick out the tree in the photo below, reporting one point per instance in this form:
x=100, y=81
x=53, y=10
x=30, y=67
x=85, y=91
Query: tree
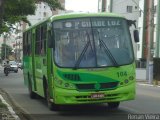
x=13, y=11
x=1, y=12
x=8, y=51
x=53, y=4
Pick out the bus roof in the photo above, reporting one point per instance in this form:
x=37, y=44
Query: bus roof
x=80, y=15
x=76, y=15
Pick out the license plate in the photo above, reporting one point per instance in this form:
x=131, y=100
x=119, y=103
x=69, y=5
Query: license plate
x=97, y=95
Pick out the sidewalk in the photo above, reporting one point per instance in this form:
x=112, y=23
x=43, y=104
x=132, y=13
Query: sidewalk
x=6, y=111
x=146, y=83
x=10, y=110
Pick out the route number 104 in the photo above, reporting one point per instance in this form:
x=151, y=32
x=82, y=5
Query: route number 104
x=121, y=74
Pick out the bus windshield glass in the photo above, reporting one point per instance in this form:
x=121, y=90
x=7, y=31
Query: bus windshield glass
x=92, y=42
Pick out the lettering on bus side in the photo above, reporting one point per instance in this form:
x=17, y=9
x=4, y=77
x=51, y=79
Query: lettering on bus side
x=122, y=74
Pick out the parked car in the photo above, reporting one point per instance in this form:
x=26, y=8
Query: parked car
x=13, y=66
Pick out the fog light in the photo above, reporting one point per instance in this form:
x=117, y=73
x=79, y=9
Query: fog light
x=131, y=78
x=126, y=81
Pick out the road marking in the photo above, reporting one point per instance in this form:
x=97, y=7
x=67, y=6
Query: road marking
x=10, y=109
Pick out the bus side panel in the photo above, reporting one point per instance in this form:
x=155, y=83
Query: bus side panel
x=33, y=61
x=25, y=69
x=50, y=72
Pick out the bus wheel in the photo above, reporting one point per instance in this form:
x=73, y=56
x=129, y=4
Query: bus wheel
x=113, y=105
x=51, y=105
x=31, y=93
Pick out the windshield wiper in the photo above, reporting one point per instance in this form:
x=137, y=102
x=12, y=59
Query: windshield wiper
x=108, y=52
x=83, y=52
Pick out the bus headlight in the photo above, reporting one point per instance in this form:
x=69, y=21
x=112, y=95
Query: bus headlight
x=131, y=78
x=63, y=84
x=127, y=81
x=69, y=86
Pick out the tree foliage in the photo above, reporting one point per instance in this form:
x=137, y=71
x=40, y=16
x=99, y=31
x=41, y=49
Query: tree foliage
x=53, y=4
x=16, y=10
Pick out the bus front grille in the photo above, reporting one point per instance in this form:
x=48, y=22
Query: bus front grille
x=85, y=86
x=97, y=86
x=108, y=85
x=74, y=77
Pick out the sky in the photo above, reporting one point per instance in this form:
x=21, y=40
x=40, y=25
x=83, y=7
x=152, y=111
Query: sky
x=82, y=5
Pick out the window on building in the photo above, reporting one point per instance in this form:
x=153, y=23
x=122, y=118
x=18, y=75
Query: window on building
x=136, y=7
x=140, y=13
x=44, y=14
x=138, y=47
x=155, y=9
x=129, y=9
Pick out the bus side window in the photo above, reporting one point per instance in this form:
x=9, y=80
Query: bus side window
x=29, y=43
x=37, y=44
x=43, y=39
x=24, y=43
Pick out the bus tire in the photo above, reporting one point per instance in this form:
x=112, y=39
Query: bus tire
x=113, y=105
x=51, y=105
x=31, y=93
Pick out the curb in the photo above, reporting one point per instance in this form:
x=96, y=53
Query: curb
x=23, y=113
x=150, y=85
x=10, y=109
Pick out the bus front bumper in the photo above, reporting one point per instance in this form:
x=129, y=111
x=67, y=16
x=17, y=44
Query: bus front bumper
x=64, y=96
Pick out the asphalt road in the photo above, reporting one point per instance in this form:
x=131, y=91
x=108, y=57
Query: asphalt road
x=146, y=102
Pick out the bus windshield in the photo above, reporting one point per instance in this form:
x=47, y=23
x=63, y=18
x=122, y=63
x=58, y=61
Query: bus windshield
x=92, y=42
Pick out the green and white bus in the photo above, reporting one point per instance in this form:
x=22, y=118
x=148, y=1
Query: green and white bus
x=80, y=58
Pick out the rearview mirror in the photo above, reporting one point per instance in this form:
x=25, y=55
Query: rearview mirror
x=136, y=36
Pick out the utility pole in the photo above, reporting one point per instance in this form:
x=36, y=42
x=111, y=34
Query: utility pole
x=158, y=28
x=150, y=40
x=103, y=5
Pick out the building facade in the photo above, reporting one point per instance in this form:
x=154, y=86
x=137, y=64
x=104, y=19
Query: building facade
x=139, y=10
x=43, y=11
x=144, y=23
x=14, y=40
x=127, y=8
